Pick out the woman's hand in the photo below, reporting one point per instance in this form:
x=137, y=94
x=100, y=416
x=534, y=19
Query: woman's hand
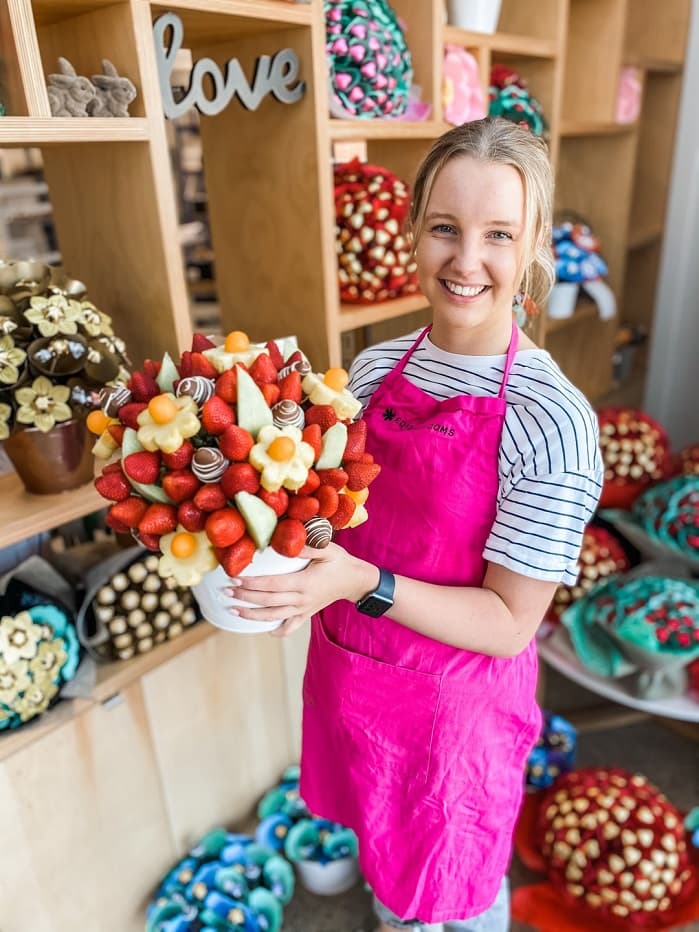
x=332, y=574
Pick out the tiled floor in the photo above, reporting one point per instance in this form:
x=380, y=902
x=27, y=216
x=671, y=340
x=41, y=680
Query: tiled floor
x=668, y=759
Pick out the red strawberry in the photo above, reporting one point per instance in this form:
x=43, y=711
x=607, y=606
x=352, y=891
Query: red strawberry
x=152, y=367
x=216, y=415
x=263, y=370
x=310, y=485
x=356, y=438
x=143, y=466
x=345, y=510
x=227, y=385
x=361, y=475
x=235, y=443
x=240, y=477
x=151, y=541
x=112, y=467
x=224, y=527
x=235, y=558
x=337, y=478
x=323, y=415
x=278, y=501
x=201, y=343
x=275, y=354
x=117, y=526
x=290, y=387
x=158, y=519
x=328, y=500
x=312, y=436
x=180, y=485
x=129, y=511
x=116, y=432
x=270, y=392
x=210, y=497
x=202, y=366
x=185, y=366
x=190, y=517
x=143, y=386
x=181, y=458
x=128, y=414
x=289, y=537
x=303, y=508
x=113, y=486
x=366, y=458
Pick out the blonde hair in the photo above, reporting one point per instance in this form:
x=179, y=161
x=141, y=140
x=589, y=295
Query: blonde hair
x=496, y=140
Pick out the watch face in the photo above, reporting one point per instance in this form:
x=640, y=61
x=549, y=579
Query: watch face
x=374, y=605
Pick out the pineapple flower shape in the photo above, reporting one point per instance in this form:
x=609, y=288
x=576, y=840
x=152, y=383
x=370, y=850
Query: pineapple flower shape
x=14, y=679
x=93, y=321
x=187, y=556
x=167, y=422
x=43, y=405
x=50, y=658
x=282, y=457
x=329, y=389
x=19, y=637
x=5, y=412
x=56, y=314
x=11, y=357
x=36, y=699
x=236, y=348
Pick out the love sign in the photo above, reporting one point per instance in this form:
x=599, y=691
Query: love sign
x=276, y=75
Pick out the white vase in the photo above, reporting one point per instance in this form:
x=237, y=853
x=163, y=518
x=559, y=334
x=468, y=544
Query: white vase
x=562, y=300
x=328, y=879
x=474, y=15
x=215, y=604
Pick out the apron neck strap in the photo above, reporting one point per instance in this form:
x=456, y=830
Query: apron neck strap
x=511, y=352
x=398, y=370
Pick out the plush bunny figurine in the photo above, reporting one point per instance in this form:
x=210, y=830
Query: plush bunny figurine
x=114, y=93
x=70, y=94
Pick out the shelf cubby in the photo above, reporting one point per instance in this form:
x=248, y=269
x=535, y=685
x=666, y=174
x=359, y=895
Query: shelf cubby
x=640, y=283
x=546, y=23
x=353, y=316
x=593, y=59
x=657, y=32
x=24, y=515
x=12, y=93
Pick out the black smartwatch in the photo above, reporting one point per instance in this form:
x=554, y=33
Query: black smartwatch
x=379, y=601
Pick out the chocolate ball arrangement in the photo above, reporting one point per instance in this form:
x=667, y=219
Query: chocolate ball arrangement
x=601, y=556
x=140, y=610
x=374, y=254
x=614, y=845
x=636, y=453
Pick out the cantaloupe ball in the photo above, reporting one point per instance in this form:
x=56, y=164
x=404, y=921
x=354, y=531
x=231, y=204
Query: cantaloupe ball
x=97, y=421
x=336, y=379
x=183, y=545
x=281, y=449
x=162, y=409
x=237, y=342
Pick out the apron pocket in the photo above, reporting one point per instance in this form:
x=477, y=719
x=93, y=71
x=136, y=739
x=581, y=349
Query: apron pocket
x=374, y=715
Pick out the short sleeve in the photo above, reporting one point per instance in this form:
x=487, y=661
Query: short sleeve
x=539, y=524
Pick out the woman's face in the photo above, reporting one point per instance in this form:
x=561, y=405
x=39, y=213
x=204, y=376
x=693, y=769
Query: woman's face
x=469, y=255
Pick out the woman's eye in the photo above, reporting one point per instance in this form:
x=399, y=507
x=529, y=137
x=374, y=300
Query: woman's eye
x=443, y=228
x=500, y=234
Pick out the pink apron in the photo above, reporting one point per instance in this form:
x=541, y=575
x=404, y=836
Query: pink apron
x=418, y=746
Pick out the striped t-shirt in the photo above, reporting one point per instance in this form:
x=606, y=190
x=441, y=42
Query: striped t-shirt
x=550, y=467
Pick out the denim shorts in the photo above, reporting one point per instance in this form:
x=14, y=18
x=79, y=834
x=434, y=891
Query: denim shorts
x=494, y=919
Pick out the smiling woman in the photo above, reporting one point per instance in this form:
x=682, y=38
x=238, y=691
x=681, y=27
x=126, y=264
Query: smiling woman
x=500, y=452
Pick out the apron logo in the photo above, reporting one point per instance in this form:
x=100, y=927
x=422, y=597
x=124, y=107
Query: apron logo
x=389, y=414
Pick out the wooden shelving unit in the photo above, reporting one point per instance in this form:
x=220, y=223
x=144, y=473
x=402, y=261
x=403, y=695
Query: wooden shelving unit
x=128, y=764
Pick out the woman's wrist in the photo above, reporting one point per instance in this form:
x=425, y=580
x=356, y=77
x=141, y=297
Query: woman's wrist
x=363, y=578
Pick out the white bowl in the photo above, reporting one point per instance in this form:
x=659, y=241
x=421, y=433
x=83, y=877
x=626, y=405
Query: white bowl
x=328, y=879
x=215, y=604
x=562, y=300
x=474, y=15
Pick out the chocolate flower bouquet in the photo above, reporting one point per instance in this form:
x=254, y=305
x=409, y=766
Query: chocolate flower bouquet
x=57, y=351
x=230, y=462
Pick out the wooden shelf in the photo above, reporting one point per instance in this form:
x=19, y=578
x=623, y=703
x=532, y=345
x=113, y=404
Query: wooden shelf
x=665, y=66
x=500, y=43
x=16, y=739
x=358, y=315
x=30, y=131
x=341, y=130
x=586, y=309
x=592, y=128
x=117, y=675
x=217, y=20
x=642, y=237
x=24, y=515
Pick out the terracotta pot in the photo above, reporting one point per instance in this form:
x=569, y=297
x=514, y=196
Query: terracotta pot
x=55, y=461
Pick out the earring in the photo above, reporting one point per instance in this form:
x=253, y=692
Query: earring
x=524, y=309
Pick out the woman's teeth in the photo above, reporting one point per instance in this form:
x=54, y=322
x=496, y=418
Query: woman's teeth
x=464, y=291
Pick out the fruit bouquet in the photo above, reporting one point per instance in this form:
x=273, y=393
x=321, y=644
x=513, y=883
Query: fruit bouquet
x=230, y=462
